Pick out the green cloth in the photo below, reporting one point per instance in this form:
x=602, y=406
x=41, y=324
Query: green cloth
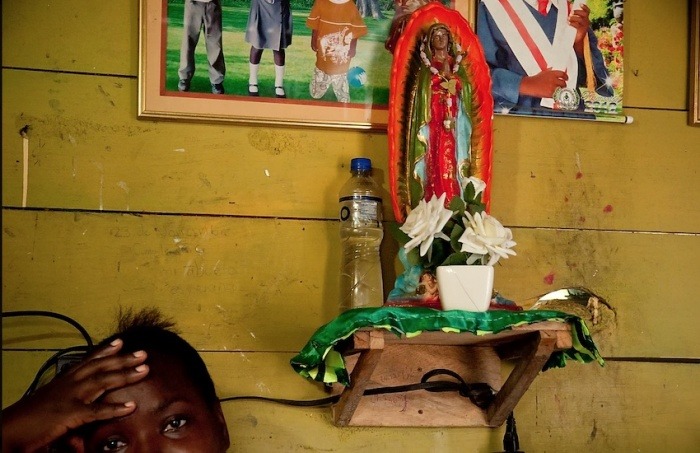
x=320, y=361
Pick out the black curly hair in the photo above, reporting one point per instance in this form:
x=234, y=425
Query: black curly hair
x=148, y=330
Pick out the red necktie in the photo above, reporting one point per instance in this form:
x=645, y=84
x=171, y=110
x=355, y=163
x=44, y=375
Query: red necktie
x=542, y=6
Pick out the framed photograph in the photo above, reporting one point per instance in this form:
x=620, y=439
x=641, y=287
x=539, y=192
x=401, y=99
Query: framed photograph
x=561, y=60
x=694, y=65
x=198, y=61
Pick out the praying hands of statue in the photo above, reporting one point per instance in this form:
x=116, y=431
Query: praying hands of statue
x=580, y=21
x=446, y=71
x=542, y=85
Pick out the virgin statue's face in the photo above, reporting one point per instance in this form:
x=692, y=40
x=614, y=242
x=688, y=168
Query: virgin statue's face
x=440, y=39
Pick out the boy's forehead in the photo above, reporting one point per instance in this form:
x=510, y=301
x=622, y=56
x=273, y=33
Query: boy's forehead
x=166, y=381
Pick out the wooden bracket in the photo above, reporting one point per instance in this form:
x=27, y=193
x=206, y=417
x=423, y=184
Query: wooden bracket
x=378, y=358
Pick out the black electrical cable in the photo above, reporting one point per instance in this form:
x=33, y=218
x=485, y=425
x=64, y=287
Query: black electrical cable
x=53, y=360
x=479, y=393
x=50, y=314
x=511, y=443
x=300, y=403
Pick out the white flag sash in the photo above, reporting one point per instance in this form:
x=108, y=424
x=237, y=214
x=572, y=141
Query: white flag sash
x=530, y=44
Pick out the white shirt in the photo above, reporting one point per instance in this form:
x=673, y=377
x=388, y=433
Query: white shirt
x=533, y=3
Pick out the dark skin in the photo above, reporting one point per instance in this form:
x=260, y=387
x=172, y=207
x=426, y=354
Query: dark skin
x=117, y=403
x=439, y=43
x=171, y=417
x=256, y=56
x=544, y=84
x=73, y=399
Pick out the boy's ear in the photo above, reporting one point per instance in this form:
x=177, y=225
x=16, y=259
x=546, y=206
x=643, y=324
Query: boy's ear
x=222, y=425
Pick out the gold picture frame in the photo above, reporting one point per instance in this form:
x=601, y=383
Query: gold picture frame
x=694, y=65
x=159, y=98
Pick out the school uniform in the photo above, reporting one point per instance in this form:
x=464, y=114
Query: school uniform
x=269, y=24
x=208, y=14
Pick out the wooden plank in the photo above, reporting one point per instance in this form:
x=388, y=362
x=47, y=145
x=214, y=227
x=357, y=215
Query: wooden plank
x=655, y=78
x=366, y=363
x=638, y=274
x=237, y=283
x=84, y=131
x=526, y=370
x=405, y=364
x=377, y=338
x=598, y=176
x=620, y=407
x=652, y=78
x=230, y=283
x=368, y=339
x=17, y=378
x=538, y=342
x=88, y=151
x=65, y=36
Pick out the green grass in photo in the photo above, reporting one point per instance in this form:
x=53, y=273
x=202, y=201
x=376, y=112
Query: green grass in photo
x=300, y=59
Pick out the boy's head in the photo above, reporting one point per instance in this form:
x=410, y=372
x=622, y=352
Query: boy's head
x=176, y=404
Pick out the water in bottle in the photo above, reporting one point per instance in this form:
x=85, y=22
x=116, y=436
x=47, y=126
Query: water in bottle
x=361, y=234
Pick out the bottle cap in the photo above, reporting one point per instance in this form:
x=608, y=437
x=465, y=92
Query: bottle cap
x=360, y=163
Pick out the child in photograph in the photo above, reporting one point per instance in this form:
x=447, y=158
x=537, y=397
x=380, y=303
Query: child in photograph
x=269, y=27
x=336, y=26
x=198, y=14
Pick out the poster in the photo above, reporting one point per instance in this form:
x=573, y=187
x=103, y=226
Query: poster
x=559, y=58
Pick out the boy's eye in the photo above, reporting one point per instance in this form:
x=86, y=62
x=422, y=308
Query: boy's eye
x=174, y=424
x=113, y=445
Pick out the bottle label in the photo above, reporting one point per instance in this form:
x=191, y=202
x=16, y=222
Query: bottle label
x=361, y=211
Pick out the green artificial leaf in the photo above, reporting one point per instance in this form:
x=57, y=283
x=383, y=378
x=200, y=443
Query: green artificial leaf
x=457, y=205
x=476, y=206
x=456, y=259
x=449, y=226
x=456, y=233
x=440, y=251
x=469, y=192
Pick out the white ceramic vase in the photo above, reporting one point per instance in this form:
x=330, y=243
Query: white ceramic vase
x=466, y=288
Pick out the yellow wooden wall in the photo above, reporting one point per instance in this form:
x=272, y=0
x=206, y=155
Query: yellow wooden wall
x=231, y=230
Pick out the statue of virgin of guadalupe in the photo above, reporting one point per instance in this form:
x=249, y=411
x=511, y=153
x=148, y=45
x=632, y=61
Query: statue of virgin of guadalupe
x=440, y=110
x=440, y=125
x=441, y=121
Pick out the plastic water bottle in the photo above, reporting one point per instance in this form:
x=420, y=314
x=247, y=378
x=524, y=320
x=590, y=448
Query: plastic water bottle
x=360, y=235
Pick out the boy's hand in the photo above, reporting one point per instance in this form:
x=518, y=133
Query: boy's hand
x=543, y=84
x=72, y=399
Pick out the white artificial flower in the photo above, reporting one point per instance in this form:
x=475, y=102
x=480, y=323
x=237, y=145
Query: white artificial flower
x=485, y=235
x=479, y=185
x=425, y=223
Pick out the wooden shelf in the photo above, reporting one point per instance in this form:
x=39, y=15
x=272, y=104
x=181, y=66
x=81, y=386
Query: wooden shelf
x=377, y=358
